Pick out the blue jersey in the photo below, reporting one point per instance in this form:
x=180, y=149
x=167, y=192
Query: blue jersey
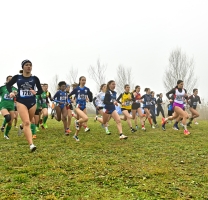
x=153, y=102
x=61, y=96
x=147, y=100
x=110, y=98
x=24, y=85
x=81, y=94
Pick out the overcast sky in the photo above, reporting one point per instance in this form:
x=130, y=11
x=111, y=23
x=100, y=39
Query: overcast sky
x=56, y=35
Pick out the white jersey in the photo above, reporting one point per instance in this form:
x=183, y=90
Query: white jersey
x=179, y=96
x=99, y=99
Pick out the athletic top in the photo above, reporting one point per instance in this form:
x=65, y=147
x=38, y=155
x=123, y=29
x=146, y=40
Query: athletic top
x=179, y=95
x=153, y=102
x=137, y=97
x=99, y=99
x=159, y=101
x=4, y=94
x=193, y=100
x=109, y=99
x=81, y=94
x=61, y=97
x=25, y=84
x=125, y=100
x=147, y=99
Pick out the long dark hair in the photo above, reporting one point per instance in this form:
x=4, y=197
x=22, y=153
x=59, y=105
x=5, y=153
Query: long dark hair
x=80, y=78
x=178, y=82
x=108, y=84
x=137, y=86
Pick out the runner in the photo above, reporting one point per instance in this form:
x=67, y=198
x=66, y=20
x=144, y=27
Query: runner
x=26, y=100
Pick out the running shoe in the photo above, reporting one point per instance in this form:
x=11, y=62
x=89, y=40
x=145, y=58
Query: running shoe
x=32, y=147
x=107, y=132
x=6, y=137
x=189, y=124
x=196, y=123
x=34, y=137
x=133, y=130
x=20, y=130
x=175, y=128
x=95, y=119
x=137, y=127
x=87, y=129
x=153, y=126
x=2, y=129
x=143, y=128
x=163, y=123
x=76, y=138
x=76, y=124
x=68, y=130
x=123, y=137
x=45, y=126
x=186, y=132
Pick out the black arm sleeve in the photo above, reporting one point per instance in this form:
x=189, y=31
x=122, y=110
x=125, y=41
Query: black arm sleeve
x=132, y=97
x=170, y=92
x=199, y=100
x=11, y=83
x=118, y=99
x=93, y=101
x=107, y=99
x=37, y=82
x=90, y=96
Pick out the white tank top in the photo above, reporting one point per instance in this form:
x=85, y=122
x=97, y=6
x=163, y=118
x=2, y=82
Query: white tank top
x=99, y=100
x=179, y=96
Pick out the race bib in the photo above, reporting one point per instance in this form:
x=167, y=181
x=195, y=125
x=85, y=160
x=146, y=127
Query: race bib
x=25, y=93
x=62, y=98
x=179, y=98
x=7, y=97
x=127, y=103
x=44, y=100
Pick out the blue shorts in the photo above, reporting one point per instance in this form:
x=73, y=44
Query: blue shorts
x=81, y=107
x=109, y=110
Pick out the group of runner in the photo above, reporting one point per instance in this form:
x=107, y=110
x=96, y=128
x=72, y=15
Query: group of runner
x=30, y=100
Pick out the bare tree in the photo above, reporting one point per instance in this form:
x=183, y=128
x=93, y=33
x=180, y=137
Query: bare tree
x=180, y=68
x=72, y=75
x=97, y=73
x=124, y=76
x=54, y=84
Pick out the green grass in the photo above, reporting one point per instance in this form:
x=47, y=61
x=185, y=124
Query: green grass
x=154, y=164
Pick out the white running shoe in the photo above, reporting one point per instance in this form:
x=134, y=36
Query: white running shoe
x=76, y=138
x=87, y=129
x=153, y=126
x=123, y=137
x=6, y=137
x=143, y=128
x=196, y=123
x=32, y=147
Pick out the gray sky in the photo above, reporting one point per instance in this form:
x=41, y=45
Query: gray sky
x=56, y=35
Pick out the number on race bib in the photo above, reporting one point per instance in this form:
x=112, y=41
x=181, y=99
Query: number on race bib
x=25, y=93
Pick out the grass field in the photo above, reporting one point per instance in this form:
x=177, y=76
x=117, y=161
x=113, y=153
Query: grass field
x=154, y=164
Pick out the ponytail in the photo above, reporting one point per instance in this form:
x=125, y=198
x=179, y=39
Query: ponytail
x=108, y=84
x=21, y=71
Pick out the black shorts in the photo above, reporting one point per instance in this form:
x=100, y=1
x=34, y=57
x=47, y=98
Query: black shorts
x=170, y=112
x=122, y=109
x=37, y=112
x=135, y=106
x=99, y=108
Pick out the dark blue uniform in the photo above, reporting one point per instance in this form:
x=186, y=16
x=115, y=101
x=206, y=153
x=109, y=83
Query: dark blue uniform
x=110, y=98
x=61, y=97
x=81, y=94
x=24, y=85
